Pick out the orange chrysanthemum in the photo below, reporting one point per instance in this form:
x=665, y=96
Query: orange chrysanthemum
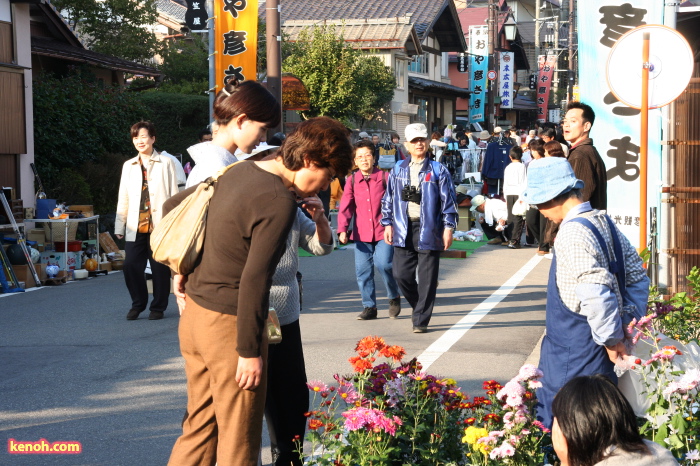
x=394, y=352
x=369, y=345
x=359, y=364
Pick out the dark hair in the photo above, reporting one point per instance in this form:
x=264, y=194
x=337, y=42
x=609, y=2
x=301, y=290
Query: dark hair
x=554, y=149
x=395, y=136
x=548, y=132
x=593, y=415
x=274, y=141
x=435, y=135
x=536, y=145
x=248, y=97
x=588, y=113
x=203, y=133
x=516, y=153
x=147, y=125
x=363, y=143
x=322, y=141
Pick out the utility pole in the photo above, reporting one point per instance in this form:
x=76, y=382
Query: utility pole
x=537, y=32
x=572, y=68
x=274, y=54
x=493, y=27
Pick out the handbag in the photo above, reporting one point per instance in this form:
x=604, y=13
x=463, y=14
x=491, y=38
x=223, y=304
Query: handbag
x=274, y=329
x=178, y=238
x=520, y=208
x=387, y=158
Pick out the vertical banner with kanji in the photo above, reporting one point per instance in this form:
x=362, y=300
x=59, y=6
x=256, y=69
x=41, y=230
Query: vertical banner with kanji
x=505, y=79
x=616, y=130
x=544, y=82
x=478, y=65
x=236, y=40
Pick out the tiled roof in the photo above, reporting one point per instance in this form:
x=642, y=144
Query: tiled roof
x=437, y=86
x=172, y=8
x=383, y=33
x=435, y=16
x=53, y=48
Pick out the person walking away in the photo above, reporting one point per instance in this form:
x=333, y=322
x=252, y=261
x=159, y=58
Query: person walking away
x=222, y=332
x=147, y=181
x=583, y=156
x=597, y=284
x=362, y=199
x=514, y=183
x=419, y=213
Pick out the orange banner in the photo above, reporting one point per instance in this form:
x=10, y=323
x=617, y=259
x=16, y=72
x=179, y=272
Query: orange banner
x=235, y=41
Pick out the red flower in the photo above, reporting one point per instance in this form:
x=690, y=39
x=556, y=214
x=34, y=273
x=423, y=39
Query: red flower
x=394, y=352
x=469, y=421
x=315, y=424
x=359, y=364
x=369, y=345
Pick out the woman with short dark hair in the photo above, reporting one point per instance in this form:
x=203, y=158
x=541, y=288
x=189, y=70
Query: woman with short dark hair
x=594, y=425
x=223, y=332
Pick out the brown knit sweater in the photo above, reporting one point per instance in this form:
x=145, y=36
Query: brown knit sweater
x=249, y=219
x=589, y=167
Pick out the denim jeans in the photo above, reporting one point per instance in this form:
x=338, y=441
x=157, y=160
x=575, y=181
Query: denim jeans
x=367, y=256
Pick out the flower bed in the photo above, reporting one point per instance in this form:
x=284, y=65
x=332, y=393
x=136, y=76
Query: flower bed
x=390, y=412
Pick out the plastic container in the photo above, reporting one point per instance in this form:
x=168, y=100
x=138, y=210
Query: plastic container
x=73, y=246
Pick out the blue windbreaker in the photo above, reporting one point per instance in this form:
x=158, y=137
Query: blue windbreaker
x=438, y=207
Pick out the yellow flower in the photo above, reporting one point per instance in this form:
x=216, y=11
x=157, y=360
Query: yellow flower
x=448, y=382
x=472, y=434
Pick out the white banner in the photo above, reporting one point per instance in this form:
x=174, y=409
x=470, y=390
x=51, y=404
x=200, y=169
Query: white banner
x=616, y=131
x=506, y=78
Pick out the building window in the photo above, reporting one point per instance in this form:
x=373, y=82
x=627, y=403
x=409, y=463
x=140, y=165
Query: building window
x=419, y=64
x=400, y=73
x=422, y=114
x=445, y=65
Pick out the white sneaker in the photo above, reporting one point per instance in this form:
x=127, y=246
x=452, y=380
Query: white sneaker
x=549, y=256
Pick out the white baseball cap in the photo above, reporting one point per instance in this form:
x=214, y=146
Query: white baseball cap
x=364, y=134
x=416, y=130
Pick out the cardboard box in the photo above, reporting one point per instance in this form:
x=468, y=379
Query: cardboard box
x=86, y=210
x=56, y=258
x=38, y=235
x=105, y=266
x=107, y=244
x=24, y=274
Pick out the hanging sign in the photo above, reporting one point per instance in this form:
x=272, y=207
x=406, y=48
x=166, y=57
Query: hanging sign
x=478, y=65
x=505, y=84
x=196, y=15
x=236, y=41
x=544, y=82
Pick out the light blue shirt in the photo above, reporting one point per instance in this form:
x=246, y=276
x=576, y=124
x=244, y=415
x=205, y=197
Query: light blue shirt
x=584, y=280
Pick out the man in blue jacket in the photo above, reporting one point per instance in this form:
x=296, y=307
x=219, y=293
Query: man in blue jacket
x=419, y=213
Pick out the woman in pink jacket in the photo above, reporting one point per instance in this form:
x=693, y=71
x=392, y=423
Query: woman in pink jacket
x=362, y=198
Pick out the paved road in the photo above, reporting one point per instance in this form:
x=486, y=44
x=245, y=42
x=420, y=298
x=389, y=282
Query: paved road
x=73, y=368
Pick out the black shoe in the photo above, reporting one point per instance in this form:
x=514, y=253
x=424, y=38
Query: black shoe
x=155, y=315
x=420, y=329
x=514, y=245
x=133, y=314
x=368, y=314
x=395, y=307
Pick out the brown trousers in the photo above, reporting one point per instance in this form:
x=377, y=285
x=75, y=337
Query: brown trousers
x=224, y=422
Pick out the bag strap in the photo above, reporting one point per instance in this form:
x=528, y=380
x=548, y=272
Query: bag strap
x=221, y=171
x=617, y=266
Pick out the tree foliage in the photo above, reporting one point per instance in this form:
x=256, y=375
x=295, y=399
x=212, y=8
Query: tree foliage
x=343, y=82
x=114, y=27
x=186, y=66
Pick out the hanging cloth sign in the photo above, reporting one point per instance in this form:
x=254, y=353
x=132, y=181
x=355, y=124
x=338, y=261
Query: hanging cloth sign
x=235, y=41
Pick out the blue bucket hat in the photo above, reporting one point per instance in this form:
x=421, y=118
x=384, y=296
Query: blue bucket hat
x=549, y=177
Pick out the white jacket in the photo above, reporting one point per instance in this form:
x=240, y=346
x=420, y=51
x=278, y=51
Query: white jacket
x=179, y=171
x=209, y=159
x=162, y=184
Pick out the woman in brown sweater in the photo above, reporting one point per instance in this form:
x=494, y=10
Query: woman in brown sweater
x=222, y=329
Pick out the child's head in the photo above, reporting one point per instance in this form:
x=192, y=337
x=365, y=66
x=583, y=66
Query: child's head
x=516, y=154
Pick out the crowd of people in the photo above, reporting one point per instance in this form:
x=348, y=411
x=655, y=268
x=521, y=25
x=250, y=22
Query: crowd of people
x=399, y=206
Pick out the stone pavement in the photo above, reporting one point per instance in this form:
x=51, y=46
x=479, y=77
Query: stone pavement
x=73, y=368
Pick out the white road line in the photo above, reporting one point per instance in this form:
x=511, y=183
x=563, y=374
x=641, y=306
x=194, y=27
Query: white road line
x=457, y=331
